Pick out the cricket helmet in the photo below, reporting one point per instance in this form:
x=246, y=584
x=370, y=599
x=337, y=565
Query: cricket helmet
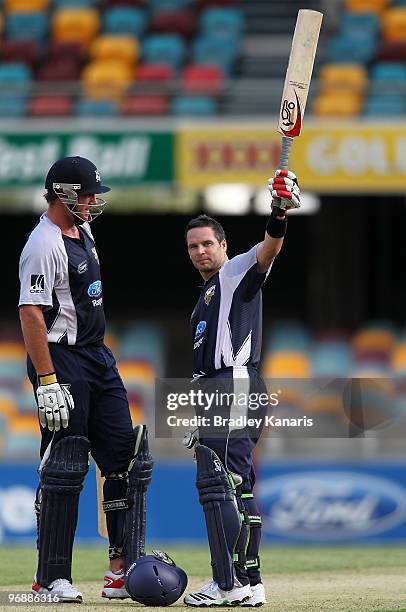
x=155, y=580
x=72, y=176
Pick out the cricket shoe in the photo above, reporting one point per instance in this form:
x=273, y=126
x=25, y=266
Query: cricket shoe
x=60, y=587
x=210, y=594
x=114, y=586
x=258, y=597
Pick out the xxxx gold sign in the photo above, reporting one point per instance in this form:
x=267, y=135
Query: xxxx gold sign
x=342, y=157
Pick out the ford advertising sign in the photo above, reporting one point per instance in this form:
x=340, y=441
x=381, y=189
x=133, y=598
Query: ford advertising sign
x=333, y=504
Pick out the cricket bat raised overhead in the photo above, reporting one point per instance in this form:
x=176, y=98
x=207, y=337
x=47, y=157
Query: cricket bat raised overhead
x=298, y=77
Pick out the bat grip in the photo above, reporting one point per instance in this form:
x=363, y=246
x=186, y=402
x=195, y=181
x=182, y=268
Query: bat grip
x=287, y=142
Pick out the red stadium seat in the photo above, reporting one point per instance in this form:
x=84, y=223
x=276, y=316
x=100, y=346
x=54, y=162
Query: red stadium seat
x=26, y=51
x=56, y=106
x=174, y=22
x=145, y=105
x=58, y=49
x=154, y=72
x=60, y=69
x=198, y=78
x=392, y=51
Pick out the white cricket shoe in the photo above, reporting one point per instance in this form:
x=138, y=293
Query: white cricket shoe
x=114, y=586
x=60, y=587
x=258, y=596
x=210, y=594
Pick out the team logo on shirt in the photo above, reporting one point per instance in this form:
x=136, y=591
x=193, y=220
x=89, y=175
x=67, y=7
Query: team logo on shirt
x=201, y=326
x=209, y=294
x=37, y=284
x=95, y=289
x=82, y=267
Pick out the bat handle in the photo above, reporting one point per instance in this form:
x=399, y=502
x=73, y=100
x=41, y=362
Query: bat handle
x=287, y=142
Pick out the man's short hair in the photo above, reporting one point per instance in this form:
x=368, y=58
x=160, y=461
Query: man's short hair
x=206, y=221
x=50, y=196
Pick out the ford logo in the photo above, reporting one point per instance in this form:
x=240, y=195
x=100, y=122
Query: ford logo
x=331, y=505
x=201, y=326
x=95, y=289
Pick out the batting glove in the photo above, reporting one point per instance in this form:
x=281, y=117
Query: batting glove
x=284, y=190
x=54, y=402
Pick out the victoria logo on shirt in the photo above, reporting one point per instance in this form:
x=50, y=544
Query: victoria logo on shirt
x=37, y=284
x=95, y=289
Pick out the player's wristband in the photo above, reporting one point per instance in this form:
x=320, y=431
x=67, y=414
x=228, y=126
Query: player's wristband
x=276, y=228
x=47, y=379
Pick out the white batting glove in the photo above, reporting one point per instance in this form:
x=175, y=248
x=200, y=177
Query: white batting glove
x=284, y=190
x=54, y=403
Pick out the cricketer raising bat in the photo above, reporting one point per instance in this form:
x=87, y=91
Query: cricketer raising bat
x=298, y=77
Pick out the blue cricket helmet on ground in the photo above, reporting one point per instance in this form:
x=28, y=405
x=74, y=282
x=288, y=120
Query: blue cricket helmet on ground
x=155, y=580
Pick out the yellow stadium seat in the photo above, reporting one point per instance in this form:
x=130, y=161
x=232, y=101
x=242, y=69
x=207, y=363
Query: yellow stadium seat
x=137, y=370
x=373, y=340
x=398, y=361
x=394, y=24
x=7, y=406
x=23, y=423
x=106, y=79
x=337, y=104
x=12, y=350
x=335, y=77
x=287, y=364
x=75, y=25
x=121, y=48
x=26, y=6
x=367, y=6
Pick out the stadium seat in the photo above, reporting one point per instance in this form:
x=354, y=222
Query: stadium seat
x=353, y=23
x=370, y=6
x=168, y=5
x=123, y=48
x=16, y=77
x=215, y=52
x=391, y=51
x=26, y=26
x=202, y=79
x=154, y=73
x=74, y=3
x=392, y=105
x=148, y=104
x=199, y=106
x=287, y=364
x=373, y=343
x=75, y=25
x=164, y=49
x=143, y=341
x=57, y=49
x=288, y=336
x=60, y=69
x=12, y=106
x=176, y=22
x=25, y=6
x=222, y=22
x=25, y=51
x=96, y=108
x=388, y=78
x=125, y=20
x=106, y=79
x=331, y=359
x=337, y=104
x=50, y=106
x=394, y=24
x=359, y=49
x=342, y=76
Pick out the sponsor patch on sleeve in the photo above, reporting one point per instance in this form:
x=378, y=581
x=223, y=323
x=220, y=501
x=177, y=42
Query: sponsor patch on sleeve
x=37, y=284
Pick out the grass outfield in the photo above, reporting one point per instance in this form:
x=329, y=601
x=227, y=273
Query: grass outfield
x=297, y=579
